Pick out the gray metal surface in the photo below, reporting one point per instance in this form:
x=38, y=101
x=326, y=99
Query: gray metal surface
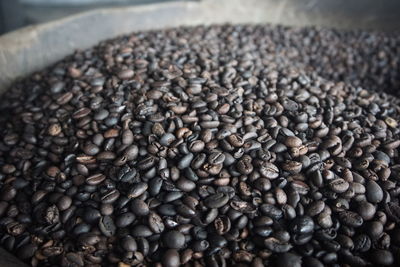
x=27, y=50
x=34, y=47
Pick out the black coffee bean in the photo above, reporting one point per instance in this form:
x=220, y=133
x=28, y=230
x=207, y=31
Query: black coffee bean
x=139, y=207
x=381, y=257
x=91, y=215
x=350, y=218
x=271, y=211
x=107, y=226
x=374, y=192
x=216, y=200
x=125, y=219
x=141, y=231
x=302, y=225
x=128, y=243
x=173, y=239
x=171, y=258
x=26, y=251
x=137, y=189
x=366, y=210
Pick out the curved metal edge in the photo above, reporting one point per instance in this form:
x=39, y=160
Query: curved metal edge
x=32, y=48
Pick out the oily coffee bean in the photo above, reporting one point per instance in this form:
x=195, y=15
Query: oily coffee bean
x=198, y=146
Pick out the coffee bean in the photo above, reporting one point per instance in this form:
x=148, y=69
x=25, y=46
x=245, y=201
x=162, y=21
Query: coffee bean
x=139, y=207
x=26, y=251
x=216, y=158
x=366, y=210
x=302, y=225
x=236, y=140
x=171, y=258
x=381, y=257
x=269, y=170
x=91, y=215
x=95, y=179
x=128, y=243
x=125, y=74
x=173, y=239
x=137, y=189
x=244, y=165
x=339, y=185
x=292, y=141
x=374, y=192
x=155, y=223
x=64, y=203
x=216, y=200
x=141, y=231
x=107, y=226
x=350, y=218
x=110, y=196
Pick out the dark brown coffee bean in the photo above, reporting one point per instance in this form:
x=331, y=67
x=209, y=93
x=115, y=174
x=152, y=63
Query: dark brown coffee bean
x=339, y=185
x=292, y=141
x=269, y=170
x=235, y=140
x=125, y=74
x=216, y=158
x=95, y=179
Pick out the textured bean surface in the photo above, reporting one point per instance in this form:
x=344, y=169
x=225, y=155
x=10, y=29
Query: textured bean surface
x=207, y=146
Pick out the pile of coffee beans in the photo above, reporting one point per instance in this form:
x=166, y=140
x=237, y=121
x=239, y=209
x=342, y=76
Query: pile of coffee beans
x=207, y=146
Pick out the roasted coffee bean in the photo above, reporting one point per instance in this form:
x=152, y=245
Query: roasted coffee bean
x=216, y=200
x=350, y=218
x=339, y=185
x=302, y=225
x=155, y=223
x=137, y=189
x=139, y=207
x=381, y=257
x=173, y=239
x=64, y=203
x=292, y=141
x=95, y=179
x=171, y=258
x=125, y=219
x=374, y=192
x=107, y=226
x=26, y=251
x=269, y=170
x=366, y=210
